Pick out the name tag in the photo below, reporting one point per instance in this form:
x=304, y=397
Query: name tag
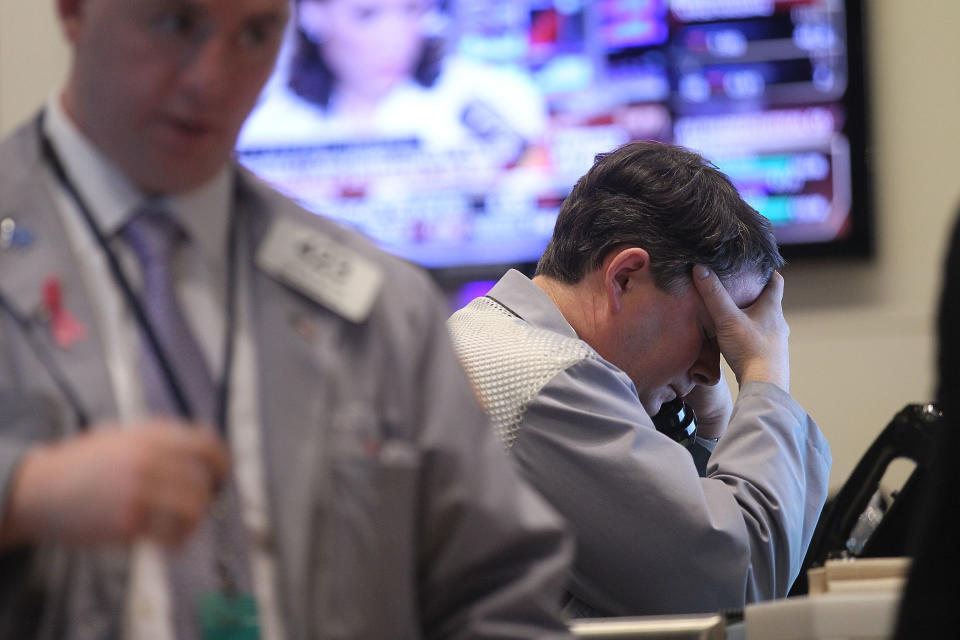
x=317, y=266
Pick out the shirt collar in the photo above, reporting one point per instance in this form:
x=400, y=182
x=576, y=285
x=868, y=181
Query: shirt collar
x=203, y=212
x=520, y=295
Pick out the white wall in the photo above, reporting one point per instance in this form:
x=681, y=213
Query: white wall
x=862, y=334
x=33, y=57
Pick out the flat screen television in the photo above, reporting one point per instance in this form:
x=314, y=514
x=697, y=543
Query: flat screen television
x=450, y=132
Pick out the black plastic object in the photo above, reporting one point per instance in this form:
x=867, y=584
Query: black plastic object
x=910, y=434
x=677, y=420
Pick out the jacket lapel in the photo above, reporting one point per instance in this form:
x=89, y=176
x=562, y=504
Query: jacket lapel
x=25, y=270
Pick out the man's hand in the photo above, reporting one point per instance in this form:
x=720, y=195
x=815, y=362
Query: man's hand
x=753, y=340
x=713, y=406
x=116, y=484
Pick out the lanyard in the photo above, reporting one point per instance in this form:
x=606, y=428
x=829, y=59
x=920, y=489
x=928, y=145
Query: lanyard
x=133, y=300
x=227, y=583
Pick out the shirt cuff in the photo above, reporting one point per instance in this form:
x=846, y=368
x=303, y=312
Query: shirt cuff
x=707, y=443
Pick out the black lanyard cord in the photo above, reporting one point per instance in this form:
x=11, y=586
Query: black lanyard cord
x=228, y=584
x=180, y=399
x=230, y=305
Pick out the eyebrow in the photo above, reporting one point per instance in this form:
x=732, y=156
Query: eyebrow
x=269, y=18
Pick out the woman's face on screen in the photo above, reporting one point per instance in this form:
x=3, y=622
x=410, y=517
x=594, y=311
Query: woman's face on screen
x=370, y=45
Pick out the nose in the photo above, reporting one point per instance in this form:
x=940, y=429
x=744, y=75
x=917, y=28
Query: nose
x=206, y=71
x=706, y=368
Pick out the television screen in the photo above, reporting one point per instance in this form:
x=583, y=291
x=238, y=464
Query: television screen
x=450, y=132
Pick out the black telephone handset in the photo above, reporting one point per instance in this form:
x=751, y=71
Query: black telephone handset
x=677, y=420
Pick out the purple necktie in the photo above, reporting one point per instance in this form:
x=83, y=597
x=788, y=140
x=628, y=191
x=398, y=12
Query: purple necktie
x=153, y=234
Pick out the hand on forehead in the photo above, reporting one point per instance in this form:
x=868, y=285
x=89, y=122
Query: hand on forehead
x=750, y=328
x=736, y=292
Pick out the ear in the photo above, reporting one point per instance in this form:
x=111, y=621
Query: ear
x=623, y=271
x=71, y=14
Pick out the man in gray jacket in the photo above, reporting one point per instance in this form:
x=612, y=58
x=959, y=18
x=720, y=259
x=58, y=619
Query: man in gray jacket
x=656, y=268
x=220, y=415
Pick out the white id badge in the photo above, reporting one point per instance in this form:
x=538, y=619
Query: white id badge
x=317, y=266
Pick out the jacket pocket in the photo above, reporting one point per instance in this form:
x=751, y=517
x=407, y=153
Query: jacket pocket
x=368, y=561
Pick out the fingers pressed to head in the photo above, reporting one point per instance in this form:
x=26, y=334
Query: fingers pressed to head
x=772, y=294
x=715, y=296
x=775, y=286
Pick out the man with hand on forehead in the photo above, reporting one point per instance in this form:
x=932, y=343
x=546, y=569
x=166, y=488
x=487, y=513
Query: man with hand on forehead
x=656, y=267
x=217, y=417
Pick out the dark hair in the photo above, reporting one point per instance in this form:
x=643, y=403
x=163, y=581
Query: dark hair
x=667, y=200
x=311, y=78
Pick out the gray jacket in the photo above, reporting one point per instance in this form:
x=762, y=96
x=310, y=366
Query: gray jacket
x=430, y=534
x=652, y=536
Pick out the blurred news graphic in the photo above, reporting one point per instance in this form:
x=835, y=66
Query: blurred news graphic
x=450, y=132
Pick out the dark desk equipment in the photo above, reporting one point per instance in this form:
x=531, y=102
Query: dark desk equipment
x=858, y=522
x=930, y=600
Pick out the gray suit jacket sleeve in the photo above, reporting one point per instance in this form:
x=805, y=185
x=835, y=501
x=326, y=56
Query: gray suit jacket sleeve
x=433, y=530
x=24, y=418
x=494, y=555
x=27, y=416
x=652, y=536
